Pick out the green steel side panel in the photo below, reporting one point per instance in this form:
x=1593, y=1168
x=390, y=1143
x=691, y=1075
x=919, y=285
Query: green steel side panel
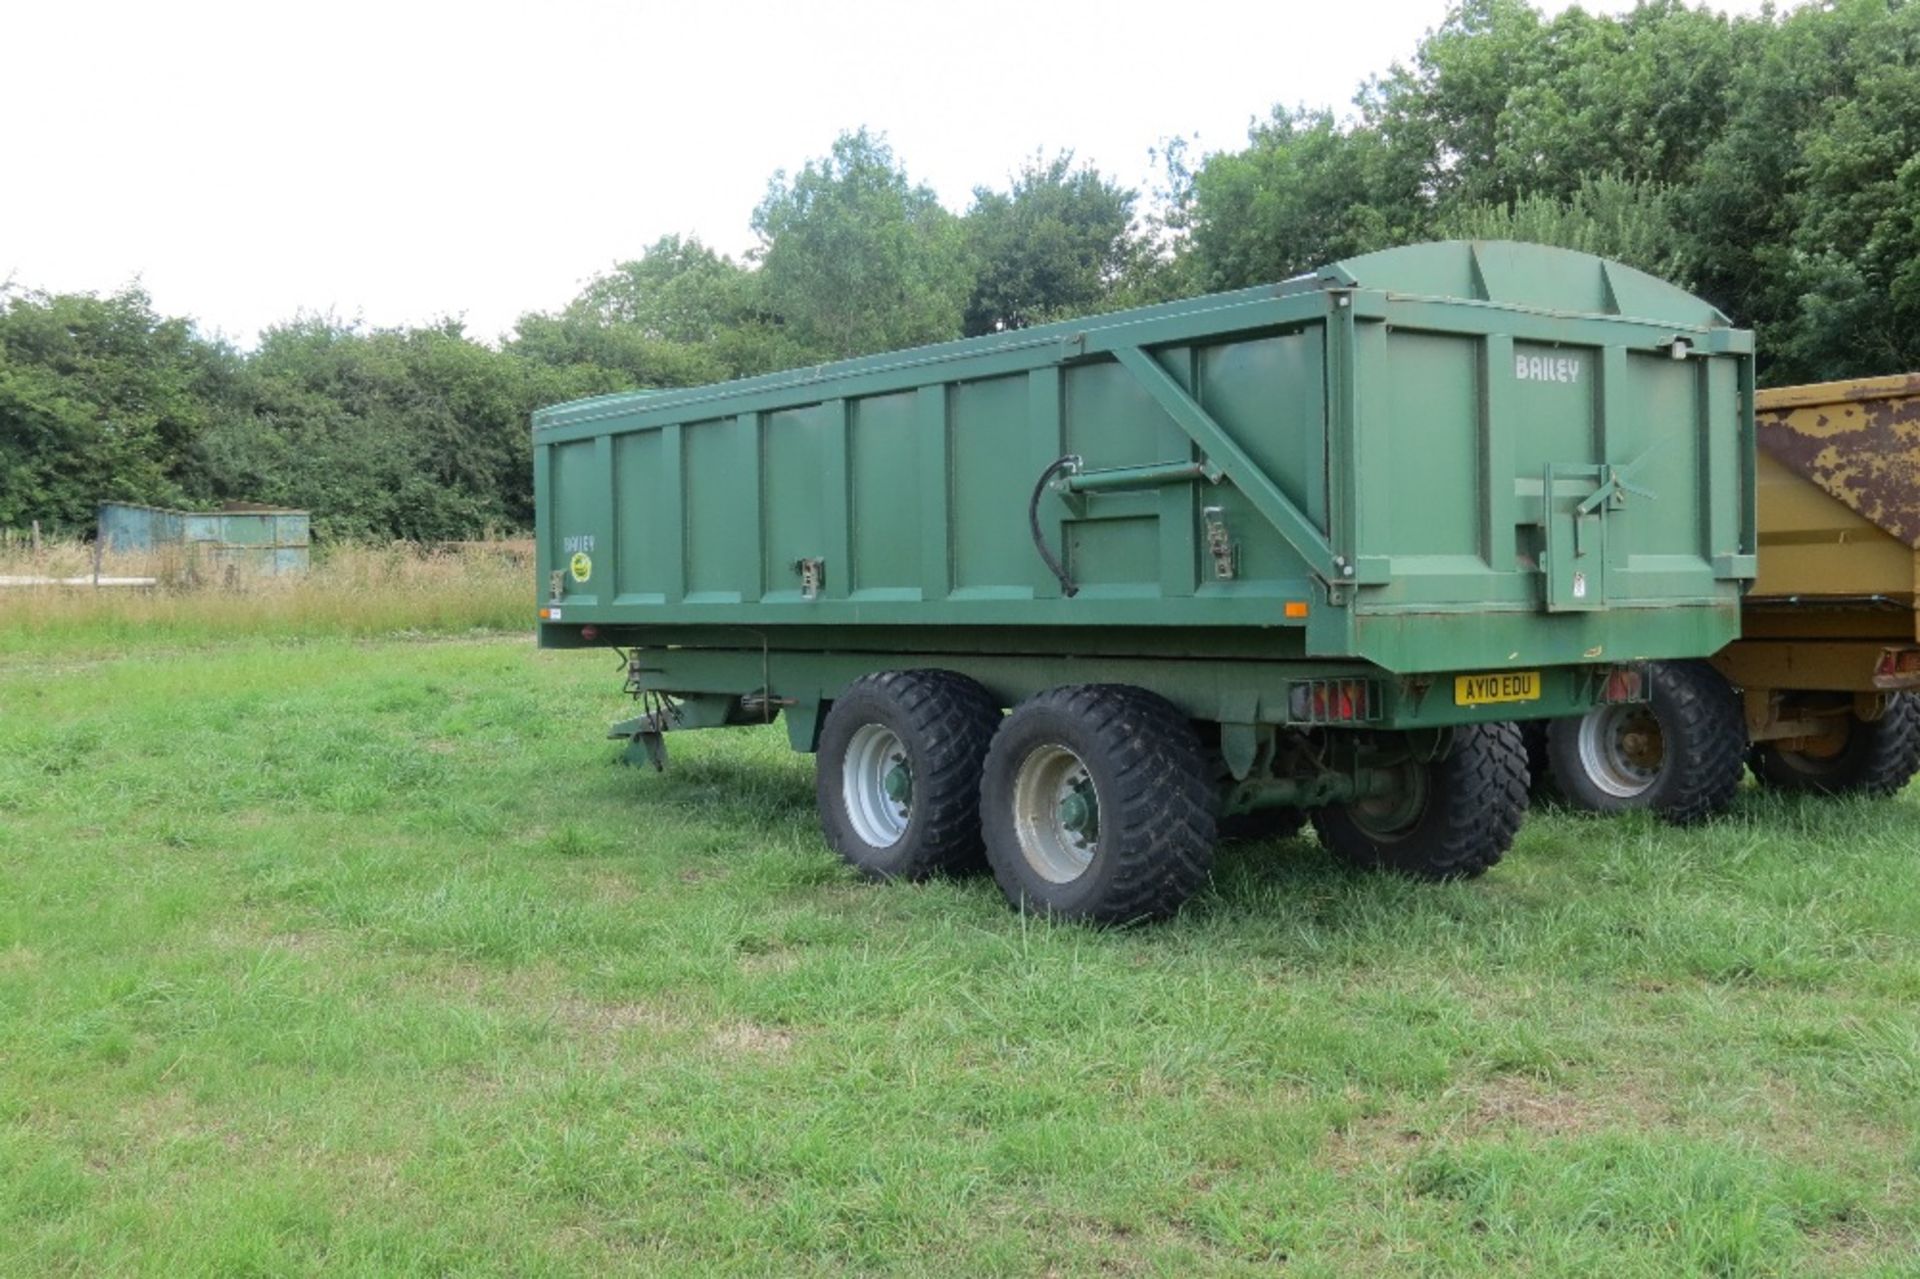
x=988, y=429
x=796, y=494
x=722, y=454
x=635, y=562
x=883, y=445
x=1454, y=456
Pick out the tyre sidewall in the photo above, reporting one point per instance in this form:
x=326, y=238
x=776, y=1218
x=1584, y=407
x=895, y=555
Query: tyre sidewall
x=1476, y=801
x=1700, y=764
x=1361, y=847
x=1879, y=759
x=1044, y=726
x=1572, y=781
x=1404, y=852
x=850, y=713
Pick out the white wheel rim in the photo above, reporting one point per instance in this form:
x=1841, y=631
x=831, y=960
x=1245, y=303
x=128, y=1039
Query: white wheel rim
x=876, y=785
x=1621, y=749
x=1056, y=814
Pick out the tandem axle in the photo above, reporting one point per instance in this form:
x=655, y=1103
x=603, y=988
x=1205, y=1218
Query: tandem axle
x=1423, y=774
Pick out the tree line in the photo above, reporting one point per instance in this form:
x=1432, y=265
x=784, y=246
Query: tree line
x=1769, y=163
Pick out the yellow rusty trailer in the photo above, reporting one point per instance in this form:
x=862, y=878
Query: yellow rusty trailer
x=1813, y=695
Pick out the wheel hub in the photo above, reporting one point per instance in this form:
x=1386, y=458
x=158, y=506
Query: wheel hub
x=1396, y=809
x=898, y=784
x=1056, y=813
x=1622, y=749
x=876, y=785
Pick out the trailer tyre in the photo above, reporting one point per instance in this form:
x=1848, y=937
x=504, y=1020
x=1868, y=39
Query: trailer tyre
x=1096, y=805
x=1878, y=759
x=898, y=780
x=1533, y=735
x=1451, y=819
x=1679, y=754
x=1262, y=825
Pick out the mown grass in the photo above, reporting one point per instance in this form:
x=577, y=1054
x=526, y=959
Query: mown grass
x=364, y=957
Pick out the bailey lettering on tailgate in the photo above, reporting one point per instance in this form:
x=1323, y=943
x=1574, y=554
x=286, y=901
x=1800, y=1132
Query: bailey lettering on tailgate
x=1538, y=368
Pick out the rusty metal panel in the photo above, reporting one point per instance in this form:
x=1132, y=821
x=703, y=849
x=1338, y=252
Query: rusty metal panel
x=1859, y=441
x=259, y=539
x=1839, y=504
x=1831, y=665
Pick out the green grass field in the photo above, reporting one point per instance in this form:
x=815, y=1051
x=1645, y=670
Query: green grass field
x=365, y=957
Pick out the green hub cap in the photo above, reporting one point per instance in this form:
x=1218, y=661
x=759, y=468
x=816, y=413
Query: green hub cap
x=899, y=784
x=1056, y=813
x=1078, y=814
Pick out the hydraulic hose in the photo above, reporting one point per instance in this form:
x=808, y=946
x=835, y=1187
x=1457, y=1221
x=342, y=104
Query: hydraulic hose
x=1068, y=463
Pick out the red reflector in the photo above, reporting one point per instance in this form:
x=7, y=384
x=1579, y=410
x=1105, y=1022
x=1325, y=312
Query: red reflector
x=1335, y=702
x=1623, y=685
x=589, y=633
x=1898, y=662
x=1330, y=701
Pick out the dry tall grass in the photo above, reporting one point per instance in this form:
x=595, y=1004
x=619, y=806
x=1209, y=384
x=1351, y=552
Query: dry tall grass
x=350, y=589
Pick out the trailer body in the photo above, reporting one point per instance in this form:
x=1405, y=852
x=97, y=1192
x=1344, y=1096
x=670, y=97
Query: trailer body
x=1444, y=461
x=1421, y=490
x=1836, y=606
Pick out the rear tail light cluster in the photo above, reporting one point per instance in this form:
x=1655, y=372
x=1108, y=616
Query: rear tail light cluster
x=1333, y=701
x=1624, y=684
x=1897, y=666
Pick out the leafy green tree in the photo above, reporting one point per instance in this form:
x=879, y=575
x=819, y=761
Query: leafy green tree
x=624, y=354
x=100, y=398
x=1499, y=103
x=1305, y=192
x=678, y=290
x=678, y=315
x=1803, y=207
x=855, y=257
x=1636, y=223
x=416, y=433
x=1054, y=244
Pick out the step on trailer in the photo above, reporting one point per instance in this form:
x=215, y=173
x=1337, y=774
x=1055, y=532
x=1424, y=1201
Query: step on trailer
x=1297, y=552
x=1817, y=695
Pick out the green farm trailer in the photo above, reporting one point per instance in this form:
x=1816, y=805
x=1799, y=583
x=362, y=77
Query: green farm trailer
x=1302, y=551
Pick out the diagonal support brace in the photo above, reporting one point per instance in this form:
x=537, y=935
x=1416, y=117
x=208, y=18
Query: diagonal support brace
x=1230, y=460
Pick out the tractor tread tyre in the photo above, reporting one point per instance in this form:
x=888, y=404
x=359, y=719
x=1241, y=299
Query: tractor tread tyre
x=1156, y=804
x=1533, y=735
x=1478, y=798
x=946, y=722
x=1703, y=736
x=1262, y=825
x=1880, y=757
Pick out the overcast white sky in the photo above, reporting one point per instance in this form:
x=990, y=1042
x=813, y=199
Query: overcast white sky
x=400, y=161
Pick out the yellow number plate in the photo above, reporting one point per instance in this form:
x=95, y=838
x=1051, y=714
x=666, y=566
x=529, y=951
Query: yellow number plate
x=1504, y=686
